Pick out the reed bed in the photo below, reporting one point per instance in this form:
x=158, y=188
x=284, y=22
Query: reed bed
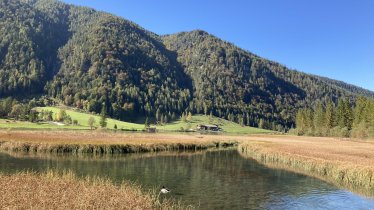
x=105, y=142
x=344, y=163
x=52, y=190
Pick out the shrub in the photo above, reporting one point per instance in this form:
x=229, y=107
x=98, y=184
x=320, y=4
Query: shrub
x=360, y=131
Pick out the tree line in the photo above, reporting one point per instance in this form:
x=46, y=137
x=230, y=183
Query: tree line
x=346, y=119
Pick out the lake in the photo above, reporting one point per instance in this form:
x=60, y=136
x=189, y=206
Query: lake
x=207, y=180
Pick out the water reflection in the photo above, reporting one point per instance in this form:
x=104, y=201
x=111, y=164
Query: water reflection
x=210, y=180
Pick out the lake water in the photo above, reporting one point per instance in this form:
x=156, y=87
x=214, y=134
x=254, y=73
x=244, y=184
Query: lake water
x=207, y=180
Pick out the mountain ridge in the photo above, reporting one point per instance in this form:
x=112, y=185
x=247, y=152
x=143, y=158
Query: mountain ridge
x=365, y=91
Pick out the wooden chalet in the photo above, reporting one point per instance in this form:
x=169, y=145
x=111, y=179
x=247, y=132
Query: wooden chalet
x=208, y=128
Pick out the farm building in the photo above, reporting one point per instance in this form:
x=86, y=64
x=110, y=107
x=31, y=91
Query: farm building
x=151, y=130
x=208, y=128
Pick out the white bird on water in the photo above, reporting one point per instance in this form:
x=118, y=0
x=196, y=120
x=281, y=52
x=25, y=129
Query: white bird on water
x=164, y=190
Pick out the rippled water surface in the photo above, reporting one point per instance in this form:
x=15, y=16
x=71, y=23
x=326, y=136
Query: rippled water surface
x=208, y=180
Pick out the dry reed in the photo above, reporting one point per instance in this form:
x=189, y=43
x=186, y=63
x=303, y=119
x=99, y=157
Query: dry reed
x=105, y=143
x=65, y=191
x=345, y=163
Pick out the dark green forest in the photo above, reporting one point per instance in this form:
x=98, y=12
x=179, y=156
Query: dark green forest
x=55, y=53
x=346, y=119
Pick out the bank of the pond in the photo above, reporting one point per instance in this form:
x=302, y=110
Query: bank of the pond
x=348, y=164
x=51, y=190
x=106, y=142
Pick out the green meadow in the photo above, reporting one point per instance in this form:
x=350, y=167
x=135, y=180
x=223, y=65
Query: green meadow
x=82, y=119
x=174, y=126
x=227, y=126
x=12, y=124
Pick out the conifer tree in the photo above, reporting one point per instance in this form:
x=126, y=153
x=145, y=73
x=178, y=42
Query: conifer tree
x=103, y=118
x=329, y=117
x=339, y=113
x=189, y=117
x=359, y=111
x=146, y=123
x=318, y=119
x=348, y=115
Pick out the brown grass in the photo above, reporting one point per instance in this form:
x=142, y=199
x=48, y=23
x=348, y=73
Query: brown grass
x=55, y=191
x=101, y=137
x=106, y=142
x=347, y=163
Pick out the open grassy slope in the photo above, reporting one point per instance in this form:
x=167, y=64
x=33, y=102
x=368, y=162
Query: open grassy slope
x=178, y=125
x=11, y=124
x=227, y=126
x=83, y=119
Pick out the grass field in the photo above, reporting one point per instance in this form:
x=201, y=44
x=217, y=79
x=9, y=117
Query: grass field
x=106, y=142
x=11, y=124
x=347, y=163
x=51, y=190
x=227, y=126
x=82, y=119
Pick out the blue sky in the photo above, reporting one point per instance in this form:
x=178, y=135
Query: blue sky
x=333, y=38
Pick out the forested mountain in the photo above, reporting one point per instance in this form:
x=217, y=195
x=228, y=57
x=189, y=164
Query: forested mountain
x=88, y=59
x=96, y=61
x=231, y=81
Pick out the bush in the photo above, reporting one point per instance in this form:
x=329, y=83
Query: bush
x=360, y=131
x=67, y=120
x=371, y=132
x=340, y=132
x=296, y=131
x=309, y=132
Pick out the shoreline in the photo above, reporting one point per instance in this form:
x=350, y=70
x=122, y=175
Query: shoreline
x=355, y=177
x=106, y=143
x=53, y=190
x=347, y=164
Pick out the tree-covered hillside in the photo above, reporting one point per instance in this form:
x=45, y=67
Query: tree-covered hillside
x=232, y=82
x=99, y=62
x=88, y=59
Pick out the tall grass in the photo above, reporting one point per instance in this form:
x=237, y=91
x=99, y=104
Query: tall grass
x=105, y=143
x=107, y=148
x=354, y=177
x=52, y=190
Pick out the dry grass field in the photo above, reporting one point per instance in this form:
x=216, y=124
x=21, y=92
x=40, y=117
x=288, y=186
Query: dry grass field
x=346, y=162
x=102, y=137
x=56, y=191
x=107, y=142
